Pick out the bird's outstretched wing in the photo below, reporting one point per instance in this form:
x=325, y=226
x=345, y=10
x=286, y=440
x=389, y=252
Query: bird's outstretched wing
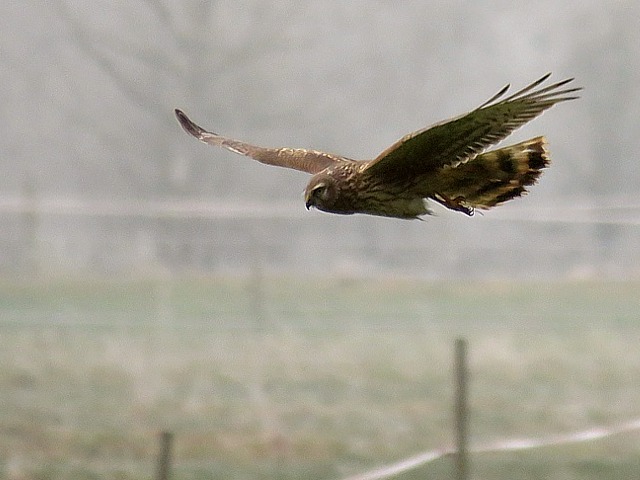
x=462, y=138
x=310, y=161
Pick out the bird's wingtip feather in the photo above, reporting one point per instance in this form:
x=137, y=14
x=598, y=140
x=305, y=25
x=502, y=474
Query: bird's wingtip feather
x=188, y=126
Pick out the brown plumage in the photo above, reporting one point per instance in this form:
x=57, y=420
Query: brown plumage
x=444, y=162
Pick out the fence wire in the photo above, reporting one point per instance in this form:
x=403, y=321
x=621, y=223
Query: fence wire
x=516, y=444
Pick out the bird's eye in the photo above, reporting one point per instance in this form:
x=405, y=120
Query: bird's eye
x=319, y=191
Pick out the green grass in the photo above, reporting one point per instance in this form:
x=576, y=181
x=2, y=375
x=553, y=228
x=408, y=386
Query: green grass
x=291, y=378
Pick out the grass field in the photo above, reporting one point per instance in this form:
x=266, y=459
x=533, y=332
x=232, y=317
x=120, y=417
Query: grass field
x=316, y=379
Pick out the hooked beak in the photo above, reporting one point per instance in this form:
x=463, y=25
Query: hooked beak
x=307, y=200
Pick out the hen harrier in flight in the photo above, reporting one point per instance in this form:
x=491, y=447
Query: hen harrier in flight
x=445, y=162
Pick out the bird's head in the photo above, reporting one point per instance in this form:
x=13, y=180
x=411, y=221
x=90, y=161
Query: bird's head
x=321, y=193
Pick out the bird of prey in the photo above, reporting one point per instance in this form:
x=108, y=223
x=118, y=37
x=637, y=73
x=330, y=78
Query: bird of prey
x=445, y=162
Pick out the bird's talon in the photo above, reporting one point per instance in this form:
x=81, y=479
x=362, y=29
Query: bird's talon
x=456, y=204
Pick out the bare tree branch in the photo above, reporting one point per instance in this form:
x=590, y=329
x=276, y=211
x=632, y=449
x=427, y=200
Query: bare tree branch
x=139, y=94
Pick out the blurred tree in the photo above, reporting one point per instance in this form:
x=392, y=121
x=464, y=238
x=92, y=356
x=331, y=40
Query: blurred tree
x=89, y=90
x=610, y=169
x=159, y=55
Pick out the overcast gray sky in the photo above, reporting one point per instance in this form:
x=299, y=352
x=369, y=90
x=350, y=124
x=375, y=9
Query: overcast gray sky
x=89, y=89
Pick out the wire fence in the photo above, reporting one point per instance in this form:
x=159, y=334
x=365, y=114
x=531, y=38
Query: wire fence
x=459, y=452
x=510, y=445
x=612, y=210
x=572, y=237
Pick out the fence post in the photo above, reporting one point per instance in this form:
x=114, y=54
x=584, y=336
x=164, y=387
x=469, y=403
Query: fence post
x=164, y=456
x=461, y=414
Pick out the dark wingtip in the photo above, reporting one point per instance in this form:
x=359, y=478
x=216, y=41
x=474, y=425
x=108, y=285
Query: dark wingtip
x=180, y=115
x=188, y=126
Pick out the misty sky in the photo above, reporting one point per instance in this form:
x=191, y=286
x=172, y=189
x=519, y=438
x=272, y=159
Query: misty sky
x=89, y=89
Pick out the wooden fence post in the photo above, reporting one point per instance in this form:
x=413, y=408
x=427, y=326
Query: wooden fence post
x=461, y=414
x=164, y=456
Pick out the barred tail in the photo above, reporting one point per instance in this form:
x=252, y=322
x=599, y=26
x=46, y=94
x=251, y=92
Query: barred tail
x=499, y=175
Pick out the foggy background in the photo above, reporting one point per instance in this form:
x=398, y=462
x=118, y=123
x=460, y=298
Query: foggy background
x=171, y=294
x=98, y=177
